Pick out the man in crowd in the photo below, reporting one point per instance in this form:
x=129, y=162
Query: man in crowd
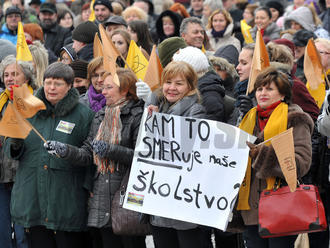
x=114, y=23
x=196, y=8
x=28, y=15
x=192, y=31
x=13, y=15
x=103, y=10
x=55, y=36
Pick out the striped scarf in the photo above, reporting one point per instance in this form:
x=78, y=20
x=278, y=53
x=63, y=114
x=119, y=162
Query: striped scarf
x=110, y=132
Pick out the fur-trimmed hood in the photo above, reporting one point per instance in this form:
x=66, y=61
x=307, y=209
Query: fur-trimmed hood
x=62, y=108
x=225, y=66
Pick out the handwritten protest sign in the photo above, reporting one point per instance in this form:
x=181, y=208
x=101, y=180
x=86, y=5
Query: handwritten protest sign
x=187, y=169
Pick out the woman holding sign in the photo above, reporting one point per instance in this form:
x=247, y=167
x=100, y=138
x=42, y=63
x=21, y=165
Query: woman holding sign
x=274, y=114
x=178, y=95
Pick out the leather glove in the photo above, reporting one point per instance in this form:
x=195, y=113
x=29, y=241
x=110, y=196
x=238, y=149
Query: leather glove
x=56, y=148
x=143, y=90
x=16, y=144
x=101, y=148
x=254, y=149
x=245, y=104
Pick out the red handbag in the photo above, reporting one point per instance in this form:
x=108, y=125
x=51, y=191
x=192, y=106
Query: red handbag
x=283, y=213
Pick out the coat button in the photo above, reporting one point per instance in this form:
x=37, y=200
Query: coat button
x=45, y=167
x=107, y=214
x=107, y=181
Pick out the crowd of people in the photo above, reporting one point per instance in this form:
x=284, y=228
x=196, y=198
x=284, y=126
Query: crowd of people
x=59, y=193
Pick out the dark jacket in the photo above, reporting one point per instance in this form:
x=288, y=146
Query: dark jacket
x=56, y=37
x=86, y=53
x=51, y=191
x=212, y=92
x=106, y=185
x=176, y=19
x=266, y=164
x=188, y=107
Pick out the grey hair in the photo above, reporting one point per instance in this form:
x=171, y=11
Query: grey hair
x=40, y=59
x=213, y=4
x=60, y=71
x=26, y=67
x=186, y=21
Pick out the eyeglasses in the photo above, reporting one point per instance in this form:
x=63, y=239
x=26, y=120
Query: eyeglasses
x=96, y=75
x=56, y=84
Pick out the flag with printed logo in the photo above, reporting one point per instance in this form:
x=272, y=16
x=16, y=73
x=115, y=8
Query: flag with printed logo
x=136, y=60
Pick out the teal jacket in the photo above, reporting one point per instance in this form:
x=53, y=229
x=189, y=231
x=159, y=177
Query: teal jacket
x=50, y=191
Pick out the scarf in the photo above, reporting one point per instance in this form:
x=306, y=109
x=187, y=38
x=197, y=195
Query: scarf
x=97, y=100
x=218, y=34
x=276, y=124
x=262, y=31
x=110, y=132
x=7, y=95
x=263, y=114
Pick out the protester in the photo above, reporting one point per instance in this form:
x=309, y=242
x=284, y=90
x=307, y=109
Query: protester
x=167, y=25
x=134, y=13
x=13, y=15
x=209, y=6
x=220, y=30
x=48, y=176
x=80, y=81
x=40, y=61
x=114, y=23
x=103, y=10
x=196, y=8
x=67, y=54
x=93, y=97
x=192, y=31
x=121, y=39
x=12, y=73
x=273, y=94
x=178, y=95
x=140, y=34
x=65, y=19
x=112, y=137
x=276, y=8
x=248, y=14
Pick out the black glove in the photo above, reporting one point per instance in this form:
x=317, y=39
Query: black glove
x=101, y=148
x=16, y=144
x=56, y=148
x=245, y=103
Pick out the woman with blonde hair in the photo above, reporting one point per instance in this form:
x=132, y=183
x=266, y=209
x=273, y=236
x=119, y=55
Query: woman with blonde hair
x=40, y=61
x=220, y=30
x=134, y=13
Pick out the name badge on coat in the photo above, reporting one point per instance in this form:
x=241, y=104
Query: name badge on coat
x=65, y=127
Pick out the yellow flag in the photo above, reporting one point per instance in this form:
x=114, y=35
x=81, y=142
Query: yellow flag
x=245, y=28
x=203, y=49
x=136, y=60
x=318, y=94
x=260, y=61
x=284, y=149
x=97, y=47
x=13, y=124
x=22, y=49
x=312, y=65
x=92, y=14
x=154, y=70
x=26, y=103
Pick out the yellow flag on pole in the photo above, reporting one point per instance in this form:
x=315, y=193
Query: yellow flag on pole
x=110, y=54
x=13, y=124
x=136, y=60
x=26, y=103
x=154, y=70
x=22, y=50
x=260, y=61
x=92, y=14
x=97, y=47
x=245, y=28
x=284, y=149
x=312, y=65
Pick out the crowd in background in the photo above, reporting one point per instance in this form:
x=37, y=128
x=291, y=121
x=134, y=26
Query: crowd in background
x=59, y=194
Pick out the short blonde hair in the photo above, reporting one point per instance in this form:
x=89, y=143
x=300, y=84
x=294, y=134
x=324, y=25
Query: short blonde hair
x=137, y=11
x=219, y=11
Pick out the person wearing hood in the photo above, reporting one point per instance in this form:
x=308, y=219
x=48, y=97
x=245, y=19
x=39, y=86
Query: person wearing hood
x=263, y=21
x=220, y=30
x=67, y=54
x=83, y=40
x=304, y=18
x=276, y=8
x=167, y=25
x=13, y=15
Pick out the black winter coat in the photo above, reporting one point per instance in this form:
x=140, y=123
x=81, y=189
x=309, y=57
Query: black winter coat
x=56, y=38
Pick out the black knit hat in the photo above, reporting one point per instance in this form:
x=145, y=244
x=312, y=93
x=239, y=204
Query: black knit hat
x=85, y=32
x=276, y=5
x=13, y=10
x=48, y=7
x=106, y=3
x=80, y=68
x=301, y=38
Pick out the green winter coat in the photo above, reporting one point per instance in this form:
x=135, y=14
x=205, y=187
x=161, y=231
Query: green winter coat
x=50, y=191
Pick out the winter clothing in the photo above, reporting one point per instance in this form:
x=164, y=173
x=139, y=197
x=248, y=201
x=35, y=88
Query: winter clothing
x=119, y=20
x=85, y=32
x=80, y=68
x=176, y=19
x=106, y=3
x=325, y=18
x=323, y=121
x=194, y=57
x=6, y=48
x=228, y=52
x=13, y=10
x=92, y=99
x=271, y=32
x=7, y=34
x=266, y=165
x=226, y=39
x=276, y=5
x=69, y=50
x=48, y=7
x=86, y=53
x=168, y=47
x=105, y=185
x=51, y=191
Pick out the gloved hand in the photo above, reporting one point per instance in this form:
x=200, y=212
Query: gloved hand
x=254, y=149
x=100, y=148
x=142, y=90
x=245, y=104
x=56, y=148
